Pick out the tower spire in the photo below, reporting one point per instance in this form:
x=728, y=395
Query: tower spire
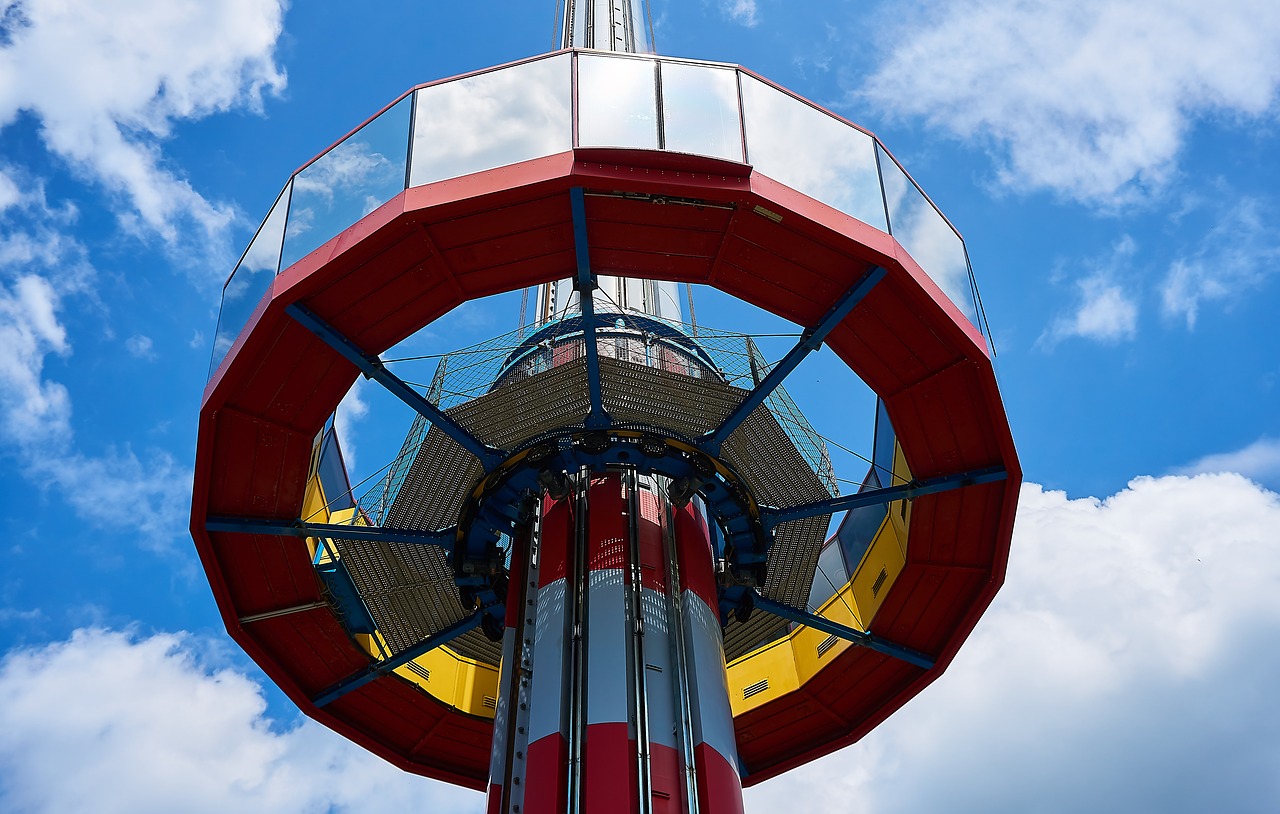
x=608, y=25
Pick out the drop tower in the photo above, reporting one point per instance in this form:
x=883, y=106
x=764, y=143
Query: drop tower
x=611, y=567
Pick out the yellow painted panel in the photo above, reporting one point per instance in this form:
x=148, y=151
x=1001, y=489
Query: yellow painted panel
x=786, y=665
x=878, y=571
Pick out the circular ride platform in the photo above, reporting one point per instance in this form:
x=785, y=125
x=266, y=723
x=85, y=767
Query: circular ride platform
x=638, y=166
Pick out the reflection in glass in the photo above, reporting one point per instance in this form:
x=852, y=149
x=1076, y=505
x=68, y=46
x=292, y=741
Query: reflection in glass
x=700, y=110
x=812, y=152
x=617, y=103
x=926, y=235
x=830, y=575
x=354, y=178
x=251, y=279
x=491, y=120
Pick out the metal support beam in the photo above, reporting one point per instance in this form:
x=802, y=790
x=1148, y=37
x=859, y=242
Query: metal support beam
x=375, y=671
x=371, y=366
x=771, y=518
x=858, y=637
x=289, y=611
x=585, y=284
x=810, y=341
x=297, y=528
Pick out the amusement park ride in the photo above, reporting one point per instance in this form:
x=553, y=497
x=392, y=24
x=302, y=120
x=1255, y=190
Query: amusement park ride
x=600, y=575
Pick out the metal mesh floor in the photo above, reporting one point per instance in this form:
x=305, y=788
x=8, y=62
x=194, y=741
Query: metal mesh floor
x=409, y=589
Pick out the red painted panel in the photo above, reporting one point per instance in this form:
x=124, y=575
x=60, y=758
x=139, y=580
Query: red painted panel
x=557, y=541
x=693, y=541
x=606, y=211
x=475, y=228
x=402, y=246
x=517, y=274
x=608, y=535
x=666, y=780
x=719, y=787
x=547, y=775
x=653, y=555
x=656, y=266
x=611, y=781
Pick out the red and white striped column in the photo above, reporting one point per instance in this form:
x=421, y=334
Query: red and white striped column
x=613, y=694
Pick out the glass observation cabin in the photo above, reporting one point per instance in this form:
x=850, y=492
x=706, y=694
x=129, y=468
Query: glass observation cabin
x=572, y=99
x=553, y=105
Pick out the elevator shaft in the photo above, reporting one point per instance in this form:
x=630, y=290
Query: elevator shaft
x=607, y=25
x=612, y=695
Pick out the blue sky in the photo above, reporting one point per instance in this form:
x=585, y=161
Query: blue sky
x=1112, y=166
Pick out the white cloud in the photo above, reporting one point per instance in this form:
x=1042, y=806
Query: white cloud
x=110, y=722
x=107, y=82
x=350, y=410
x=39, y=268
x=1259, y=461
x=140, y=347
x=31, y=407
x=741, y=11
x=1235, y=256
x=1104, y=311
x=1090, y=99
x=1127, y=665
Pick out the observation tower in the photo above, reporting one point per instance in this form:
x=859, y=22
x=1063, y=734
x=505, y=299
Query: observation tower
x=611, y=568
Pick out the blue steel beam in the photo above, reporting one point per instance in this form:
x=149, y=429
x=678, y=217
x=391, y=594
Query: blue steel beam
x=371, y=366
x=376, y=671
x=297, y=528
x=858, y=637
x=585, y=284
x=810, y=341
x=771, y=518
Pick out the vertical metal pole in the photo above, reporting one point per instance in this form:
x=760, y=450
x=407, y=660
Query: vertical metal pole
x=578, y=622
x=635, y=598
x=679, y=662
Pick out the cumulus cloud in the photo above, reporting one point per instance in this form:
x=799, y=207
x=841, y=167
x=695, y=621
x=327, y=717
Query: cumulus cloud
x=108, y=81
x=1106, y=313
x=112, y=722
x=351, y=410
x=1127, y=665
x=1259, y=461
x=1104, y=310
x=140, y=347
x=741, y=11
x=1236, y=256
x=40, y=267
x=1092, y=99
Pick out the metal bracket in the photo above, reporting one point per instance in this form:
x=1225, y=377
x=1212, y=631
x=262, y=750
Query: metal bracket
x=771, y=518
x=810, y=341
x=742, y=597
x=371, y=366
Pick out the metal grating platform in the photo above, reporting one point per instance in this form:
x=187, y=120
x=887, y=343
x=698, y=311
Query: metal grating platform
x=410, y=591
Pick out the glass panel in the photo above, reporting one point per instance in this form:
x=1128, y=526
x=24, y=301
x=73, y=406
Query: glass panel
x=830, y=575
x=859, y=526
x=883, y=450
x=700, y=110
x=333, y=475
x=926, y=235
x=354, y=178
x=617, y=103
x=491, y=120
x=812, y=152
x=251, y=279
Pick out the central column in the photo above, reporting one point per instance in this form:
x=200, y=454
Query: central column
x=613, y=695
